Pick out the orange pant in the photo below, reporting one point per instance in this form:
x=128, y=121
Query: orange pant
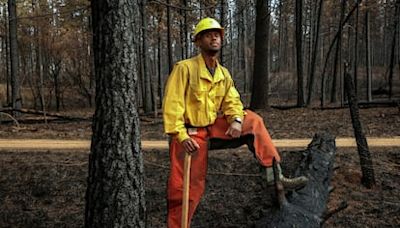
x=254, y=134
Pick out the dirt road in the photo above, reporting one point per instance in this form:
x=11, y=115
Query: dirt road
x=54, y=144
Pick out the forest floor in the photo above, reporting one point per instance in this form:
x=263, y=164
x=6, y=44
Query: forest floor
x=47, y=188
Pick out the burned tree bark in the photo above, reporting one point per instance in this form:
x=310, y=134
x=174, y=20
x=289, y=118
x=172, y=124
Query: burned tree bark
x=367, y=169
x=259, y=95
x=115, y=191
x=392, y=53
x=306, y=207
x=299, y=52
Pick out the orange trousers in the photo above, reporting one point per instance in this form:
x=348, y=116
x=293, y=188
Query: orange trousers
x=254, y=134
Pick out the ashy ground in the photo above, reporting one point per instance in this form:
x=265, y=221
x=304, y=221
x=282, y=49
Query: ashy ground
x=46, y=188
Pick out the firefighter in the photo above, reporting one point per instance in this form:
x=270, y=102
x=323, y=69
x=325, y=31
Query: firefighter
x=201, y=104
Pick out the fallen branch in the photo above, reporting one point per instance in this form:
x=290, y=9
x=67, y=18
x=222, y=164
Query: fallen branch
x=11, y=117
x=36, y=112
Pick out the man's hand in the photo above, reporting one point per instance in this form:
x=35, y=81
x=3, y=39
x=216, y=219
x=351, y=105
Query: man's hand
x=190, y=145
x=235, y=130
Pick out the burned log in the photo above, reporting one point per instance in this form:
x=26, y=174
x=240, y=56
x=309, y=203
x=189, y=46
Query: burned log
x=306, y=207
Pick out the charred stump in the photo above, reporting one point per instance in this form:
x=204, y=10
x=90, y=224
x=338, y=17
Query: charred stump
x=306, y=207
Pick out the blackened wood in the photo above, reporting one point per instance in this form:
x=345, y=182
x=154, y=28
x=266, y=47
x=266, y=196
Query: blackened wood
x=259, y=96
x=299, y=52
x=368, y=177
x=115, y=191
x=306, y=207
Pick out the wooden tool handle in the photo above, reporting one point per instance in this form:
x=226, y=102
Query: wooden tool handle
x=186, y=185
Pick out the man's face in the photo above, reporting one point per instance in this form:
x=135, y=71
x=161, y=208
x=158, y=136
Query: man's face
x=210, y=41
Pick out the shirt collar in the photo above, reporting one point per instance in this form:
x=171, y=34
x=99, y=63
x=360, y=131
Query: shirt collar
x=205, y=74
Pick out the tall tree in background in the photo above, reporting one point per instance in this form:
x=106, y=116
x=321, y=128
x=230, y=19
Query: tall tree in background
x=147, y=101
x=368, y=52
x=15, y=94
x=393, y=48
x=39, y=58
x=299, y=52
x=115, y=190
x=337, y=60
x=259, y=96
x=5, y=48
x=314, y=53
x=222, y=22
x=355, y=61
x=169, y=41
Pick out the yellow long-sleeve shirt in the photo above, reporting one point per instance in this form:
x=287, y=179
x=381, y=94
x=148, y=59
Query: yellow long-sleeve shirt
x=194, y=97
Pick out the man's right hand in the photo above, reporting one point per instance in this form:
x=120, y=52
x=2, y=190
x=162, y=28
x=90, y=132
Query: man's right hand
x=190, y=145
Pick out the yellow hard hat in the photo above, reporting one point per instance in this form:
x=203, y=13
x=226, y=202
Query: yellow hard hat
x=206, y=24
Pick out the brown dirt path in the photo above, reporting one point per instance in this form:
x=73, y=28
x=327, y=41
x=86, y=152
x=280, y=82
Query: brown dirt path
x=55, y=144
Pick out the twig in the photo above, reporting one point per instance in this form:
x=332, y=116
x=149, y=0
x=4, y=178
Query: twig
x=343, y=205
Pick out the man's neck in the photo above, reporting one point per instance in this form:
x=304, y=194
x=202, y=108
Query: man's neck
x=211, y=61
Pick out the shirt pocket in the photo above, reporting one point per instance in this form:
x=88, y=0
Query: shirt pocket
x=197, y=97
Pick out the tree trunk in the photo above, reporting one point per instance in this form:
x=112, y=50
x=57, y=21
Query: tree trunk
x=56, y=78
x=147, y=103
x=299, y=53
x=259, y=96
x=355, y=63
x=7, y=60
x=115, y=191
x=39, y=59
x=243, y=48
x=245, y=44
x=15, y=94
x=31, y=82
x=368, y=54
x=280, y=35
x=185, y=22
x=338, y=47
x=222, y=22
x=314, y=54
x=393, y=48
x=160, y=78
x=231, y=39
x=368, y=176
x=169, y=42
